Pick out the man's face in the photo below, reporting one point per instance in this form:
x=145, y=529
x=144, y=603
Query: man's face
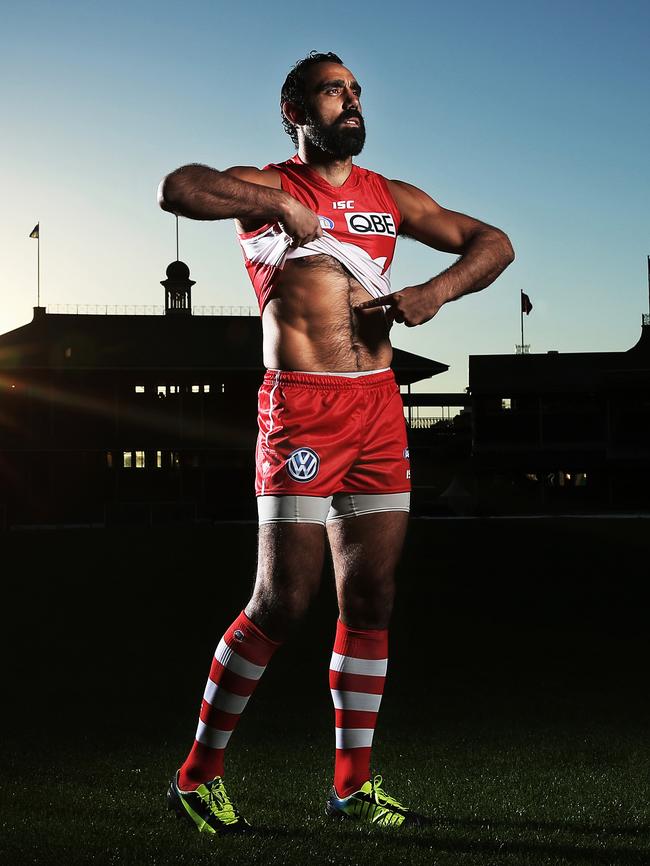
x=333, y=120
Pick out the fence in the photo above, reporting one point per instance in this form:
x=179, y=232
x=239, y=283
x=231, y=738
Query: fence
x=145, y=310
x=425, y=422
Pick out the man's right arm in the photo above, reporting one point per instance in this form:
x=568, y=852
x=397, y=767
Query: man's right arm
x=250, y=196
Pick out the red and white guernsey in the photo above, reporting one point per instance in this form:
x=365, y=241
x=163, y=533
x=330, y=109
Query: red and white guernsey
x=360, y=222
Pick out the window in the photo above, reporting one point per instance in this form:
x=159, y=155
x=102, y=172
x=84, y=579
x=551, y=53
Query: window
x=139, y=389
x=196, y=389
x=133, y=459
x=162, y=390
x=506, y=403
x=206, y=389
x=109, y=459
x=158, y=459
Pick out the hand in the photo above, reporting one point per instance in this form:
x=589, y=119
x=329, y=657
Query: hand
x=301, y=224
x=411, y=306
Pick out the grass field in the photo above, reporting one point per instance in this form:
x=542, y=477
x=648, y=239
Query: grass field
x=516, y=710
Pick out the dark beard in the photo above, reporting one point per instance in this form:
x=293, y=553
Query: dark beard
x=336, y=140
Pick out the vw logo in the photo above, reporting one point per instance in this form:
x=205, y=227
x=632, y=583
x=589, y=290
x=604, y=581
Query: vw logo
x=303, y=464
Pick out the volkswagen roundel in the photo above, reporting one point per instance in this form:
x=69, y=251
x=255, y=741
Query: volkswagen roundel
x=303, y=464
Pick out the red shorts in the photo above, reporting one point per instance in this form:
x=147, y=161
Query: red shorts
x=320, y=435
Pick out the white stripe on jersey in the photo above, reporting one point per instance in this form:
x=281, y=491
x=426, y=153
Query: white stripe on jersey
x=235, y=663
x=212, y=737
x=268, y=247
x=218, y=697
x=354, y=738
x=355, y=700
x=271, y=422
x=273, y=247
x=367, y=667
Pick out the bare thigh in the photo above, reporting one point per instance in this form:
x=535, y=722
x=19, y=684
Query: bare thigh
x=365, y=552
x=289, y=567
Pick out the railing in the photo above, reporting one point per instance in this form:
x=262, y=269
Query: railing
x=225, y=311
x=107, y=309
x=425, y=422
x=145, y=310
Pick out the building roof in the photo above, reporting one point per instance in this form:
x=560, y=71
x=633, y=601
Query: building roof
x=561, y=371
x=178, y=342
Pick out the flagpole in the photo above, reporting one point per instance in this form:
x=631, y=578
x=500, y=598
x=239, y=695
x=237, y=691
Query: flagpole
x=176, y=237
x=521, y=313
x=38, y=266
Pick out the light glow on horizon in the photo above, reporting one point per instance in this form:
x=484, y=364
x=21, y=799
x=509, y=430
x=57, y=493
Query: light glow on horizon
x=531, y=117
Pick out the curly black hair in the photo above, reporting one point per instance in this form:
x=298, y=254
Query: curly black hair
x=293, y=89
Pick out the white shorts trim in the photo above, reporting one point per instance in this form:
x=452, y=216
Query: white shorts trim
x=320, y=509
x=355, y=504
x=354, y=375
x=293, y=509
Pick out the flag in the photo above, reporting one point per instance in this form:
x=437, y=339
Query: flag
x=526, y=305
x=34, y=231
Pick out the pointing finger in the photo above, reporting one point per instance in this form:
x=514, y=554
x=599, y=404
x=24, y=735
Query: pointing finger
x=384, y=301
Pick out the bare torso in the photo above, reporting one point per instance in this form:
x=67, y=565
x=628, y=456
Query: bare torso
x=309, y=324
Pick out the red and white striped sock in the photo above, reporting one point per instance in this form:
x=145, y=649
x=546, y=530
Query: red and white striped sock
x=357, y=676
x=239, y=662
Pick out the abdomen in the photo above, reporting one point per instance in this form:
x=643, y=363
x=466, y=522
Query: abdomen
x=310, y=323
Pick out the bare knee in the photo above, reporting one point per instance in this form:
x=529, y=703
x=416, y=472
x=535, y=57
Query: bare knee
x=365, y=606
x=365, y=551
x=276, y=612
x=290, y=560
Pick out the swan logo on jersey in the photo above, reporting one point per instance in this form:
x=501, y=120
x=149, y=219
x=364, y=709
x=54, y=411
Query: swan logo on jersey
x=325, y=222
x=371, y=224
x=303, y=464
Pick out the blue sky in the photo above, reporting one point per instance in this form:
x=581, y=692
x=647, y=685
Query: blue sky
x=532, y=116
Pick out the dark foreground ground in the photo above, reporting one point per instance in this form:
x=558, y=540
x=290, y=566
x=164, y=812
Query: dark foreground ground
x=516, y=711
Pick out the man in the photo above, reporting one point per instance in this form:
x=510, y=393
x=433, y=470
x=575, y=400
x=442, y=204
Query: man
x=318, y=235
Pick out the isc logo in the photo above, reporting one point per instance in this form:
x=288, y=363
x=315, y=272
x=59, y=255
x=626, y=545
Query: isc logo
x=371, y=223
x=343, y=205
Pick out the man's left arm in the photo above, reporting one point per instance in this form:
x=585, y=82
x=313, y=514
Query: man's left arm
x=485, y=251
